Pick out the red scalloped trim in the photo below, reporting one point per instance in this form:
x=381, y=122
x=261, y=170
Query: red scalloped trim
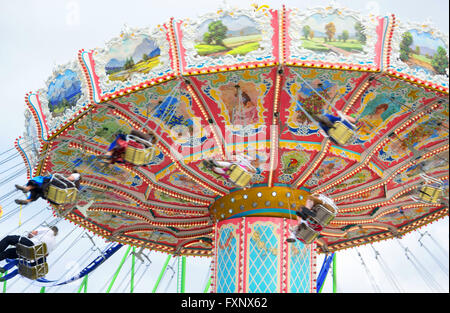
x=35, y=117
x=388, y=45
x=143, y=85
x=282, y=35
x=173, y=52
x=284, y=258
x=86, y=76
x=241, y=263
x=214, y=261
x=341, y=66
x=22, y=154
x=229, y=68
x=313, y=269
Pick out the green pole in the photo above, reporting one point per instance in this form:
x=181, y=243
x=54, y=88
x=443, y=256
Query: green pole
x=207, y=285
x=183, y=274
x=162, y=273
x=133, y=261
x=334, y=274
x=42, y=290
x=118, y=269
x=83, y=284
x=4, y=283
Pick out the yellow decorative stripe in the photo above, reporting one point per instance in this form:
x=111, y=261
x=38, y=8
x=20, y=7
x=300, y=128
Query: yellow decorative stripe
x=277, y=201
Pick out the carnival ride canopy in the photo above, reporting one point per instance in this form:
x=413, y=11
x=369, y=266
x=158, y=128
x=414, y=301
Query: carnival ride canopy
x=239, y=81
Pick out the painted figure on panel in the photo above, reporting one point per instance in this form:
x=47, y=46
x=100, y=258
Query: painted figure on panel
x=241, y=102
x=376, y=112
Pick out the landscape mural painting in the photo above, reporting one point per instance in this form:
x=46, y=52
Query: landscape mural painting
x=137, y=54
x=227, y=36
x=333, y=33
x=421, y=50
x=63, y=92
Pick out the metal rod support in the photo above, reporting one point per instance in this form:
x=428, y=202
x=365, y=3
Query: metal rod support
x=163, y=270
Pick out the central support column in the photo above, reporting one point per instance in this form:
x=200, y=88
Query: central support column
x=250, y=249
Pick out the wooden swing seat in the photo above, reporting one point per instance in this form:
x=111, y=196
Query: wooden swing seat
x=61, y=195
x=325, y=212
x=430, y=194
x=341, y=133
x=35, y=254
x=306, y=233
x=138, y=154
x=33, y=272
x=239, y=176
x=32, y=253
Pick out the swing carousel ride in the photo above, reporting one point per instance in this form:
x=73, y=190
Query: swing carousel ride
x=246, y=86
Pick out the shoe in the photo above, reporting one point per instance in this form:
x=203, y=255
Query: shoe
x=290, y=240
x=21, y=201
x=21, y=188
x=214, y=163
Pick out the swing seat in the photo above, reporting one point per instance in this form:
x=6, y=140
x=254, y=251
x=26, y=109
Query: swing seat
x=61, y=195
x=323, y=215
x=239, y=176
x=430, y=194
x=32, y=253
x=33, y=272
x=341, y=133
x=325, y=210
x=136, y=152
x=306, y=233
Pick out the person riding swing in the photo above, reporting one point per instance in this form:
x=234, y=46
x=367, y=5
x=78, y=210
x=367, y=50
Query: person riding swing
x=38, y=186
x=136, y=140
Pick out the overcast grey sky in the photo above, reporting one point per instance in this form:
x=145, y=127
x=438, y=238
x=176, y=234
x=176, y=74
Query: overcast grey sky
x=35, y=36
